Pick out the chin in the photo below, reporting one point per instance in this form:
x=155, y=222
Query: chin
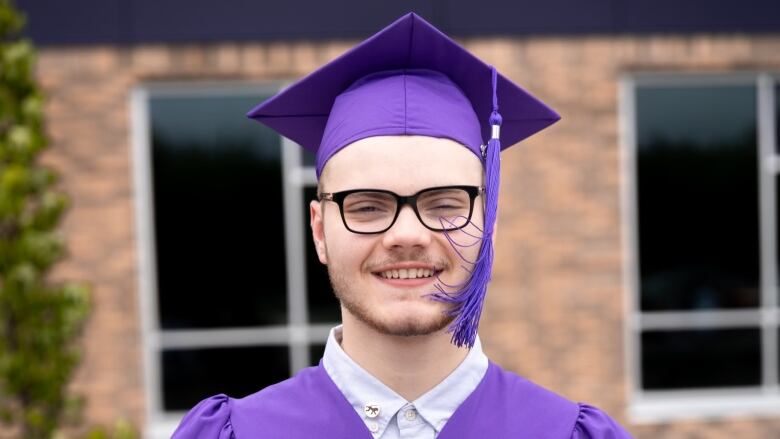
x=422, y=322
x=406, y=314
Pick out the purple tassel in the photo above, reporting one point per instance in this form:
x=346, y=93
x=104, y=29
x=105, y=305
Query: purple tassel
x=470, y=298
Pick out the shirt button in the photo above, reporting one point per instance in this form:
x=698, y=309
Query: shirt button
x=411, y=415
x=373, y=426
x=371, y=410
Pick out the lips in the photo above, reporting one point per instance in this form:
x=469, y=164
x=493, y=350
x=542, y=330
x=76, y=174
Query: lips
x=407, y=275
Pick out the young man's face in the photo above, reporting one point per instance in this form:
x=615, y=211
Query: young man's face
x=404, y=165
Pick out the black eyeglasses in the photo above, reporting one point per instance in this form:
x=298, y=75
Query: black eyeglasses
x=368, y=211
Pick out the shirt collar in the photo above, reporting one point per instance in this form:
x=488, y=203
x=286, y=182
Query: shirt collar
x=436, y=406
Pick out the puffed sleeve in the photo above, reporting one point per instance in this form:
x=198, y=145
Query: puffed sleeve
x=593, y=423
x=209, y=419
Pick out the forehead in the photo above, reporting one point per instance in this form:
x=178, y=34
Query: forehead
x=403, y=163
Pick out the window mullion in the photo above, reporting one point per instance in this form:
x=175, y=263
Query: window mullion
x=632, y=329
x=147, y=273
x=768, y=217
x=297, y=312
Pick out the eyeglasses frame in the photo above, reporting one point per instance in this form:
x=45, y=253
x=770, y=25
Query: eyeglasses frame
x=411, y=200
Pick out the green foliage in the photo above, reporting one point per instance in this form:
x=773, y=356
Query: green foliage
x=122, y=430
x=39, y=320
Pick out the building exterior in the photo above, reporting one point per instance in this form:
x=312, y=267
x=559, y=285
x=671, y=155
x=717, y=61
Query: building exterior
x=636, y=265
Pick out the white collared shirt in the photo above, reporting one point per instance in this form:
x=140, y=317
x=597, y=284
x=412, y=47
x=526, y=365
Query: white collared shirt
x=386, y=414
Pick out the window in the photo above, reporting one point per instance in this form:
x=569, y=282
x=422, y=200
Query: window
x=701, y=201
x=233, y=296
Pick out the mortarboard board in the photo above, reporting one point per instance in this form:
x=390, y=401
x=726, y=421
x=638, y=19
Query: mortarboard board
x=410, y=78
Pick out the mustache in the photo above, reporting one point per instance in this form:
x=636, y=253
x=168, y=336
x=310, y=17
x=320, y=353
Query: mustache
x=439, y=263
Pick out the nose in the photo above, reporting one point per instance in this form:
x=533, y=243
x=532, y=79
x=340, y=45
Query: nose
x=407, y=231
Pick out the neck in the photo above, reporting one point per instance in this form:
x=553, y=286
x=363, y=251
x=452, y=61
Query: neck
x=410, y=366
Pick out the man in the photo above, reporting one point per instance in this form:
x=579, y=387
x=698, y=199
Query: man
x=407, y=132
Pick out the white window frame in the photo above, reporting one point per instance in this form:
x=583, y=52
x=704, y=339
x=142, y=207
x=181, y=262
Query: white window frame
x=658, y=406
x=298, y=334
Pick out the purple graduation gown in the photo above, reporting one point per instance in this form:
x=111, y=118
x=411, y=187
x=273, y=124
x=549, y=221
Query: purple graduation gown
x=309, y=405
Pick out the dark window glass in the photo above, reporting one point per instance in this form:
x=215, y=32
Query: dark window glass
x=323, y=305
x=697, y=197
x=701, y=358
x=777, y=119
x=309, y=159
x=316, y=351
x=777, y=179
x=218, y=214
x=189, y=375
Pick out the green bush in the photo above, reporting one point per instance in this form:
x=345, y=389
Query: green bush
x=40, y=320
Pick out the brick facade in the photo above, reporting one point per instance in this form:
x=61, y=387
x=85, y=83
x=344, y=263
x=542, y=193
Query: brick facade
x=555, y=311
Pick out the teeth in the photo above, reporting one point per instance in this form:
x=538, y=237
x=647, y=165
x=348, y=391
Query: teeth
x=406, y=273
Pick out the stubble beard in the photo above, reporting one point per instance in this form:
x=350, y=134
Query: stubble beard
x=348, y=297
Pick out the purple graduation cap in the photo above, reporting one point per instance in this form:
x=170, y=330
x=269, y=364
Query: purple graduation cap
x=410, y=78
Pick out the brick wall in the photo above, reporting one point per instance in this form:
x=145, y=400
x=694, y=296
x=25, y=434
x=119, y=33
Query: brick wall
x=555, y=307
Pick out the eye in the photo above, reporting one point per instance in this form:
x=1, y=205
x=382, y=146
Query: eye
x=446, y=204
x=367, y=202
x=366, y=207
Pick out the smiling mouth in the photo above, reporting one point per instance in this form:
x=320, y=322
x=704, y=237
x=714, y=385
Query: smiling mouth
x=407, y=273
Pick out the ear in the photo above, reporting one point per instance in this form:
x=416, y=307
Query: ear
x=318, y=230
